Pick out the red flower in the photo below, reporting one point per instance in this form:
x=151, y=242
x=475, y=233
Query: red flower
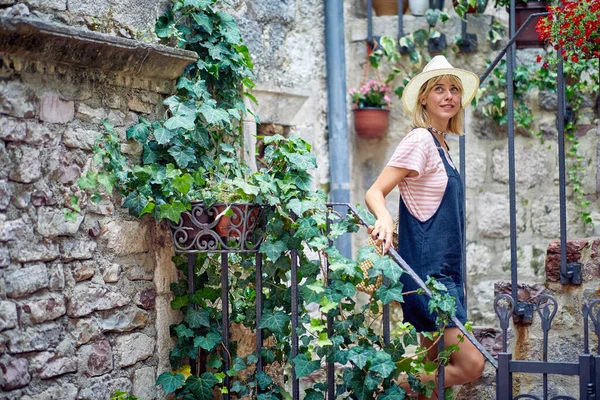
x=574, y=58
x=539, y=58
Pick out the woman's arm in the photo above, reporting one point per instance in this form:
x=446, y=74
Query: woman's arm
x=383, y=229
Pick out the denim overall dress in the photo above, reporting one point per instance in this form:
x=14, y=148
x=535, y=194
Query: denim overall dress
x=434, y=248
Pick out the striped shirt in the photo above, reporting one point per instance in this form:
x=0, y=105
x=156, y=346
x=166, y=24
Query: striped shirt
x=422, y=194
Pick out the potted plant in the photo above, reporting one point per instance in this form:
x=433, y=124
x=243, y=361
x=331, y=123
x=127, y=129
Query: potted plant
x=371, y=108
x=463, y=7
x=418, y=7
x=388, y=7
x=523, y=9
x=573, y=28
x=435, y=40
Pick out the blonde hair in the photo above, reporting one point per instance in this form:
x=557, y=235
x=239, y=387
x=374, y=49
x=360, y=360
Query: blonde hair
x=420, y=117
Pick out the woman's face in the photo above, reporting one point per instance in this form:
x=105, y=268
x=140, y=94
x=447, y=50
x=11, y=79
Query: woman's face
x=442, y=102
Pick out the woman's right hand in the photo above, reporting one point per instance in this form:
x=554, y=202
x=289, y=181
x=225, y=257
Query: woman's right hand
x=382, y=232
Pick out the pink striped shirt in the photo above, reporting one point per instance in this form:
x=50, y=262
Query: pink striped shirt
x=422, y=194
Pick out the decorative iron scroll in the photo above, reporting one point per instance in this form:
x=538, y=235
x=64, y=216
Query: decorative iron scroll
x=222, y=228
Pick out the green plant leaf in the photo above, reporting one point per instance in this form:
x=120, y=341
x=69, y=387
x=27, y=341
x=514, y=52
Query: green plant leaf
x=139, y=131
x=169, y=382
x=163, y=25
x=359, y=357
x=179, y=302
x=184, y=156
x=89, y=181
x=199, y=4
x=212, y=115
x=263, y=380
x=172, y=211
x=184, y=118
x=393, y=393
x=183, y=331
x=382, y=364
x=107, y=180
x=163, y=135
x=302, y=162
x=229, y=28
x=273, y=250
x=207, y=342
x=183, y=183
x=135, y=202
x=197, y=317
x=312, y=394
x=202, y=386
x=393, y=293
x=389, y=268
x=274, y=321
x=304, y=367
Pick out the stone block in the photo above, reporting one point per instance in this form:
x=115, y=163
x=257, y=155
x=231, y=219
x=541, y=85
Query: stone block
x=122, y=320
x=479, y=259
x=4, y=256
x=126, y=237
x=493, y=215
x=27, y=165
x=531, y=165
x=87, y=298
x=46, y=309
x=77, y=138
x=139, y=272
x=117, y=118
x=5, y=161
x=528, y=292
x=82, y=270
x=69, y=174
x=133, y=348
x=575, y=248
x=101, y=388
x=52, y=223
x=85, y=330
x=103, y=207
x=273, y=10
x=62, y=391
x=12, y=230
x=39, y=338
x=41, y=198
x=132, y=148
x=144, y=380
x=49, y=365
x=5, y=193
x=8, y=315
x=24, y=281
x=90, y=114
x=95, y=359
x=52, y=161
x=137, y=105
x=146, y=299
x=111, y=273
x=32, y=252
x=15, y=374
x=16, y=100
x=77, y=250
x=12, y=130
x=56, y=276
x=55, y=110
x=40, y=134
x=114, y=101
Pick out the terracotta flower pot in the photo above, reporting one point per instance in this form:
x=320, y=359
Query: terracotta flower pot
x=371, y=122
x=243, y=220
x=388, y=7
x=529, y=37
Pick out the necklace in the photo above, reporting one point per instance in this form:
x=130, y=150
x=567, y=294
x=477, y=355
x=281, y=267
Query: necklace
x=442, y=134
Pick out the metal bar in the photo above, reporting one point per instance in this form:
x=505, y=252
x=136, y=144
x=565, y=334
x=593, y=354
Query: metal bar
x=408, y=270
x=596, y=373
x=585, y=374
x=294, y=300
x=500, y=55
x=562, y=169
x=191, y=262
x=400, y=17
x=330, y=363
x=463, y=23
x=259, y=310
x=544, y=367
x=370, y=21
x=463, y=174
x=441, y=377
x=504, y=377
x=511, y=157
x=225, y=318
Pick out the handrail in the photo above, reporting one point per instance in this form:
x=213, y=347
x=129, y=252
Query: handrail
x=400, y=261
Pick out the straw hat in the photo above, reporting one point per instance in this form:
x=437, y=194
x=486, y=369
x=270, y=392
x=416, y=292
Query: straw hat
x=436, y=67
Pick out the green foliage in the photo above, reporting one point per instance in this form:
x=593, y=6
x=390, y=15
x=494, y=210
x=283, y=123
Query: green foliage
x=463, y=5
x=582, y=80
x=118, y=395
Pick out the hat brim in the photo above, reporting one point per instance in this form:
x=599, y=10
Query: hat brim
x=470, y=83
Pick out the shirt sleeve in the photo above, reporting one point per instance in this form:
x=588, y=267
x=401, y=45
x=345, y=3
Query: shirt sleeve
x=411, y=153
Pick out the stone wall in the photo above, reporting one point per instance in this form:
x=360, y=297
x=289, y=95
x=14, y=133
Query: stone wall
x=488, y=243
x=84, y=304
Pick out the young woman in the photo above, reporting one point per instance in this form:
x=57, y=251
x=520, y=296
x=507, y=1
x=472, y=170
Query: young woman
x=431, y=206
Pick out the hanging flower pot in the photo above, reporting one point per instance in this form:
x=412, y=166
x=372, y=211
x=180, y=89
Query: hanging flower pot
x=371, y=122
x=529, y=37
x=242, y=221
x=418, y=7
x=388, y=7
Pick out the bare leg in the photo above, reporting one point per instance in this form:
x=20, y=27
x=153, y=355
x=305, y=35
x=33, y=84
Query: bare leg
x=465, y=365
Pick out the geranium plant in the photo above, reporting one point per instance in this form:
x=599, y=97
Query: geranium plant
x=573, y=28
x=372, y=94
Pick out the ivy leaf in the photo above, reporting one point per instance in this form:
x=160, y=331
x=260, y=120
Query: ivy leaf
x=203, y=21
x=324, y=340
x=307, y=230
x=170, y=382
x=183, y=183
x=89, y=181
x=148, y=209
x=366, y=215
x=163, y=135
x=179, y=302
x=149, y=156
x=183, y=155
x=139, y=131
x=263, y=380
x=199, y=4
x=302, y=162
x=389, y=268
x=183, y=331
x=274, y=321
x=136, y=203
x=229, y=28
x=207, y=342
x=393, y=293
x=163, y=25
x=393, y=393
x=273, y=250
x=184, y=118
x=304, y=367
x=172, y=210
x=312, y=394
x=202, y=386
x=197, y=318
x=107, y=180
x=359, y=357
x=213, y=115
x=382, y=364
